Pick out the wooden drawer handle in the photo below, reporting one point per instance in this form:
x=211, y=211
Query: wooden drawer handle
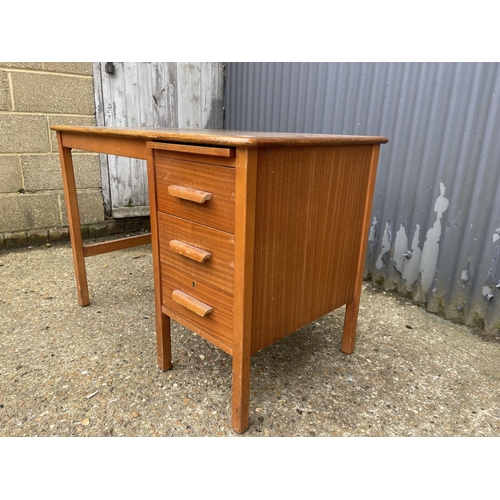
x=189, y=251
x=191, y=303
x=189, y=194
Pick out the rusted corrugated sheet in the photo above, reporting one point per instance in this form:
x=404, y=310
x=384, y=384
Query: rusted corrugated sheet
x=435, y=232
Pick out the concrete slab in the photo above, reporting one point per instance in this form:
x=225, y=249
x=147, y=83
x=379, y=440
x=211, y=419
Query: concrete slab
x=72, y=371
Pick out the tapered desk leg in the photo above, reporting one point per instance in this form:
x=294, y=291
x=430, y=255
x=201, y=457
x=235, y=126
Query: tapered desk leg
x=352, y=308
x=246, y=178
x=163, y=341
x=75, y=231
x=241, y=391
x=350, y=324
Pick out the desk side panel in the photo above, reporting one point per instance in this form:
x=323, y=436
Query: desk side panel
x=309, y=221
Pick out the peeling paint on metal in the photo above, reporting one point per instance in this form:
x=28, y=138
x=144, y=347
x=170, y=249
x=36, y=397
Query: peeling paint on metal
x=386, y=246
x=442, y=123
x=373, y=236
x=411, y=267
x=430, y=251
x=487, y=293
x=465, y=275
x=400, y=248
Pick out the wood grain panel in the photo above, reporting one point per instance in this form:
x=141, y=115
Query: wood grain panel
x=218, y=212
x=309, y=216
x=219, y=323
x=218, y=269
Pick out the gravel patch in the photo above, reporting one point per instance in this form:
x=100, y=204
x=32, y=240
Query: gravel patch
x=72, y=371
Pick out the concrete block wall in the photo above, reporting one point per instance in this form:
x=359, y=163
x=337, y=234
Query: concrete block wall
x=34, y=96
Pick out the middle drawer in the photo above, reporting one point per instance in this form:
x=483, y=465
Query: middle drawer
x=183, y=241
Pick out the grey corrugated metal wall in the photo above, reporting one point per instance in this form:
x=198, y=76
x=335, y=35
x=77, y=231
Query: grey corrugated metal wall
x=435, y=232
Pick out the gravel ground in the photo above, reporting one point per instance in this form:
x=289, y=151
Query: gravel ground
x=72, y=371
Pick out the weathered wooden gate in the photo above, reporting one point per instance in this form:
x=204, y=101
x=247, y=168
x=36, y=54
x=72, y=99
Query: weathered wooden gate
x=151, y=94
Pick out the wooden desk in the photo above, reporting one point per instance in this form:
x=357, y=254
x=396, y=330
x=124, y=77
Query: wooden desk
x=254, y=235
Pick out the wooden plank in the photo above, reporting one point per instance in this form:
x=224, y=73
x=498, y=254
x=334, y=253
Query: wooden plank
x=189, y=93
x=100, y=120
x=121, y=188
x=206, y=94
x=145, y=94
x=164, y=94
x=98, y=96
x=172, y=98
x=135, y=168
x=111, y=246
x=194, y=96
x=215, y=119
x=159, y=94
x=246, y=175
x=184, y=95
x=352, y=307
x=212, y=95
x=107, y=96
x=131, y=94
x=108, y=90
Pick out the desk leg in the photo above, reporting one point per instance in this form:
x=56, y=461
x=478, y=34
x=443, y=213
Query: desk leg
x=163, y=342
x=241, y=390
x=352, y=308
x=246, y=179
x=75, y=231
x=350, y=324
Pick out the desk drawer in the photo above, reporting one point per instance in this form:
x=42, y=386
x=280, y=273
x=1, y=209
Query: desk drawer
x=180, y=186
x=205, y=253
x=218, y=322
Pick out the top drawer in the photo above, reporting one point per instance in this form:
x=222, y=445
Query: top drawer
x=195, y=191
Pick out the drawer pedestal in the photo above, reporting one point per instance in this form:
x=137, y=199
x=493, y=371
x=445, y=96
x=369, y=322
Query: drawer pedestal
x=257, y=242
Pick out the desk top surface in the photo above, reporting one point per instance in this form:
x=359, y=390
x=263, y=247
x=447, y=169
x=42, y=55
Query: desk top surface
x=224, y=137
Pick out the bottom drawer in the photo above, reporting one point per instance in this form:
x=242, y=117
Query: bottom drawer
x=218, y=322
